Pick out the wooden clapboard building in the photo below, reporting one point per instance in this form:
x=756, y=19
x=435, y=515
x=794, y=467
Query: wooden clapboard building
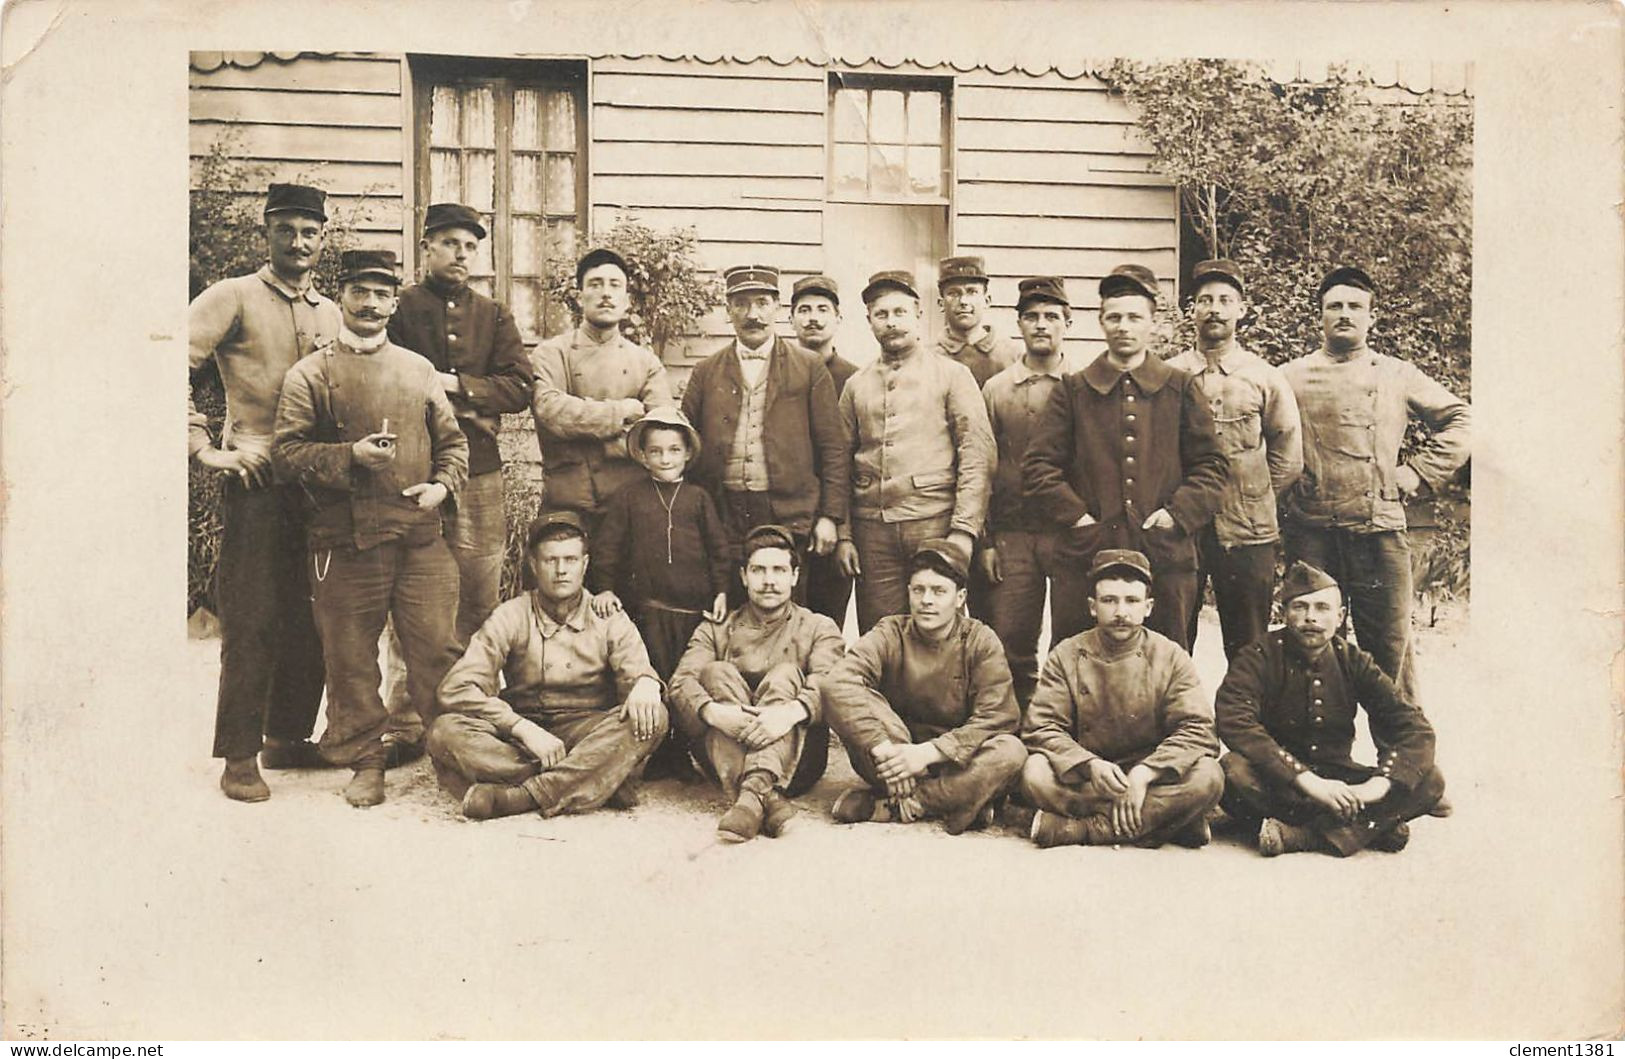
x=845, y=147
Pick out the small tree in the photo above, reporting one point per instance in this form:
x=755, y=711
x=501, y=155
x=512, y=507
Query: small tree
x=668, y=293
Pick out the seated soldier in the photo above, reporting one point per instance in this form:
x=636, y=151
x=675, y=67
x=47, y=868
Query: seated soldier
x=745, y=693
x=924, y=706
x=1286, y=711
x=1122, y=736
x=551, y=707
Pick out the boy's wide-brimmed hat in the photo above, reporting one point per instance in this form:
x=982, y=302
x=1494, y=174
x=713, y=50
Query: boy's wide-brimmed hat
x=671, y=417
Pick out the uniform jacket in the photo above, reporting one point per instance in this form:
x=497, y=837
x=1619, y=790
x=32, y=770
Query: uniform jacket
x=1255, y=418
x=1118, y=446
x=1016, y=398
x=464, y=333
x=985, y=357
x=1286, y=713
x=255, y=327
x=580, y=423
x=1354, y=417
x=1142, y=705
x=337, y=396
x=956, y=694
x=808, y=467
x=919, y=440
x=840, y=369
x=808, y=641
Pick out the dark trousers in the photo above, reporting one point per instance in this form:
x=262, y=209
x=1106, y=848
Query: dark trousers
x=666, y=634
x=1374, y=571
x=1173, y=580
x=741, y=513
x=1243, y=579
x=1027, y=563
x=1170, y=806
x=271, y=672
x=829, y=591
x=355, y=592
x=1249, y=797
x=603, y=752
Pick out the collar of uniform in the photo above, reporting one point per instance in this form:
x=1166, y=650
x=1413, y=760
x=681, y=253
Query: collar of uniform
x=951, y=343
x=1021, y=373
x=445, y=291
x=1226, y=365
x=749, y=615
x=1150, y=374
x=576, y=620
x=946, y=636
x=1366, y=354
x=584, y=338
x=276, y=283
x=1093, y=643
x=1294, y=650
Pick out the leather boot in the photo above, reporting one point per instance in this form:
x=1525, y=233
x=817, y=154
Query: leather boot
x=860, y=806
x=777, y=811
x=744, y=821
x=366, y=787
x=626, y=795
x=1194, y=835
x=291, y=754
x=1053, y=829
x=1393, y=840
x=1276, y=837
x=241, y=781
x=487, y=801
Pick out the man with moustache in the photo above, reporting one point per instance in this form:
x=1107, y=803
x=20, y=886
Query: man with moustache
x=1346, y=515
x=591, y=384
x=1255, y=418
x=1286, y=710
x=924, y=707
x=962, y=295
x=771, y=449
x=255, y=328
x=746, y=691
x=480, y=358
x=552, y=708
x=365, y=429
x=1125, y=457
x=921, y=452
x=1122, y=739
x=1020, y=555
x=815, y=312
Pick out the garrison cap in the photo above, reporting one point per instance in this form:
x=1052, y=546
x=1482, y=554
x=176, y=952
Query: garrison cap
x=551, y=523
x=380, y=264
x=452, y=215
x=824, y=285
x=948, y=552
x=1036, y=289
x=891, y=279
x=742, y=279
x=671, y=417
x=1109, y=559
x=950, y=269
x=280, y=197
x=1345, y=276
x=603, y=255
x=1129, y=279
x=1222, y=269
x=769, y=535
x=1302, y=578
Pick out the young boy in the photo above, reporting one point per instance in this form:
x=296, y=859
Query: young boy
x=663, y=550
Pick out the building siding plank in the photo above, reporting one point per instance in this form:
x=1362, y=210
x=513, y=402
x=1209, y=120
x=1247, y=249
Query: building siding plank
x=1014, y=101
x=380, y=75
x=280, y=107
x=747, y=93
x=760, y=70
x=1116, y=169
x=722, y=189
x=1019, y=262
x=304, y=142
x=336, y=178
x=1066, y=232
x=1062, y=200
x=612, y=158
x=768, y=226
x=704, y=126
x=1042, y=136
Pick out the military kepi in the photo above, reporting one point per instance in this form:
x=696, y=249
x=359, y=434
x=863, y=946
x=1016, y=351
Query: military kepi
x=743, y=279
x=549, y=522
x=452, y=215
x=951, y=269
x=1302, y=578
x=769, y=535
x=950, y=553
x=1345, y=276
x=891, y=279
x=824, y=285
x=1220, y=269
x=1129, y=279
x=309, y=200
x=1036, y=289
x=1109, y=559
x=380, y=264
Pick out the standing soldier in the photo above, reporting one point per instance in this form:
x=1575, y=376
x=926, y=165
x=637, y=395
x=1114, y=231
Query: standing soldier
x=591, y=384
x=256, y=327
x=1019, y=546
x=364, y=427
x=1125, y=457
x=921, y=451
x=1255, y=418
x=1347, y=513
x=475, y=347
x=792, y=473
x=968, y=339
x=815, y=310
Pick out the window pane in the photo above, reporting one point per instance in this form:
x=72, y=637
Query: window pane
x=527, y=118
x=886, y=116
x=443, y=116
x=527, y=245
x=561, y=240
x=482, y=263
x=849, y=169
x=527, y=183
x=886, y=169
x=561, y=183
x=924, y=170
x=480, y=173
x=849, y=111
x=525, y=303
x=561, y=121
x=479, y=116
x=482, y=285
x=924, y=117
x=445, y=176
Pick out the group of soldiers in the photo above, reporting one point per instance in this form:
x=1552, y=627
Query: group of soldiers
x=692, y=561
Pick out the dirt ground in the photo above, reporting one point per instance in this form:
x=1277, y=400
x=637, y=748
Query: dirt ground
x=302, y=917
